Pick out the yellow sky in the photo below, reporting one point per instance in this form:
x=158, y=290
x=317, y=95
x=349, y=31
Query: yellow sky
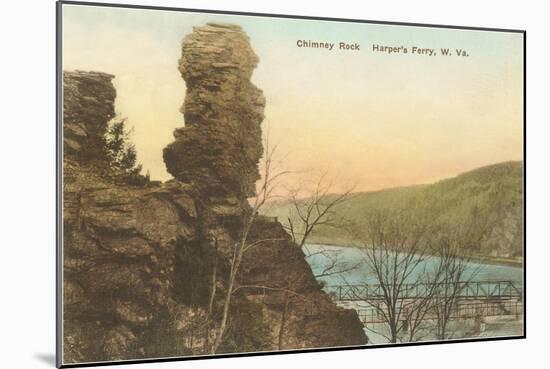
x=375, y=120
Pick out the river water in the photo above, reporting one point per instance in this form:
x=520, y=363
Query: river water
x=323, y=255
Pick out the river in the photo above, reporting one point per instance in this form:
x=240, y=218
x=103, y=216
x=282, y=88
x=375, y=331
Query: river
x=321, y=256
x=350, y=256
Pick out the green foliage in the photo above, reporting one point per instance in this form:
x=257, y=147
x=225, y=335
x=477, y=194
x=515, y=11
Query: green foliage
x=121, y=153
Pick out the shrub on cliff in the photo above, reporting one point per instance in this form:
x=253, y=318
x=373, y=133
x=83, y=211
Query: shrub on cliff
x=121, y=153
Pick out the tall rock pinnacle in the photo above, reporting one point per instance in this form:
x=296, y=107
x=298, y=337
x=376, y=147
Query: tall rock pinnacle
x=219, y=147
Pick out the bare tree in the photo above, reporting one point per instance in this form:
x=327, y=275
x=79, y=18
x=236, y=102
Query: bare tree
x=416, y=312
x=310, y=210
x=452, y=275
x=264, y=192
x=331, y=262
x=317, y=208
x=289, y=295
x=393, y=251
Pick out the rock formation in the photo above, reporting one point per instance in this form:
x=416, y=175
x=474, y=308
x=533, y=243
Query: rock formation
x=139, y=260
x=119, y=241
x=219, y=148
x=88, y=102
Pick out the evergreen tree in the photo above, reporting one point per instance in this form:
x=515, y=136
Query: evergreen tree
x=121, y=153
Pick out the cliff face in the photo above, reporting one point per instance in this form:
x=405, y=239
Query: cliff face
x=145, y=268
x=88, y=102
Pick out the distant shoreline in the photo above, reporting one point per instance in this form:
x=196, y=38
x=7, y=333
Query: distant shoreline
x=491, y=260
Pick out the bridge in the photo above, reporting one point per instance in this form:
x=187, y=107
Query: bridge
x=460, y=311
x=474, y=290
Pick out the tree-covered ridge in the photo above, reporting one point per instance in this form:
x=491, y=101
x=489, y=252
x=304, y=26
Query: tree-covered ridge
x=490, y=196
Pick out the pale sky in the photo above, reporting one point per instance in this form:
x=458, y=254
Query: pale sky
x=372, y=119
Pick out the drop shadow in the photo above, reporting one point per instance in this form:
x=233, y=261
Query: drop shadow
x=46, y=358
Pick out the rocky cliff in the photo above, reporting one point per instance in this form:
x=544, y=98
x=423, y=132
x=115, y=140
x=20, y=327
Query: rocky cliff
x=88, y=102
x=145, y=267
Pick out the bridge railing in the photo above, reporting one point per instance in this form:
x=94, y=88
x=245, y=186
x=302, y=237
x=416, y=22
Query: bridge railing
x=461, y=311
x=469, y=289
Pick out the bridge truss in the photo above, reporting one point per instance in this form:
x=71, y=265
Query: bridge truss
x=476, y=290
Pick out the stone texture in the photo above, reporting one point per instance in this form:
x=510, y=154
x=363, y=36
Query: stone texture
x=313, y=320
x=219, y=148
x=120, y=251
x=88, y=104
x=138, y=261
